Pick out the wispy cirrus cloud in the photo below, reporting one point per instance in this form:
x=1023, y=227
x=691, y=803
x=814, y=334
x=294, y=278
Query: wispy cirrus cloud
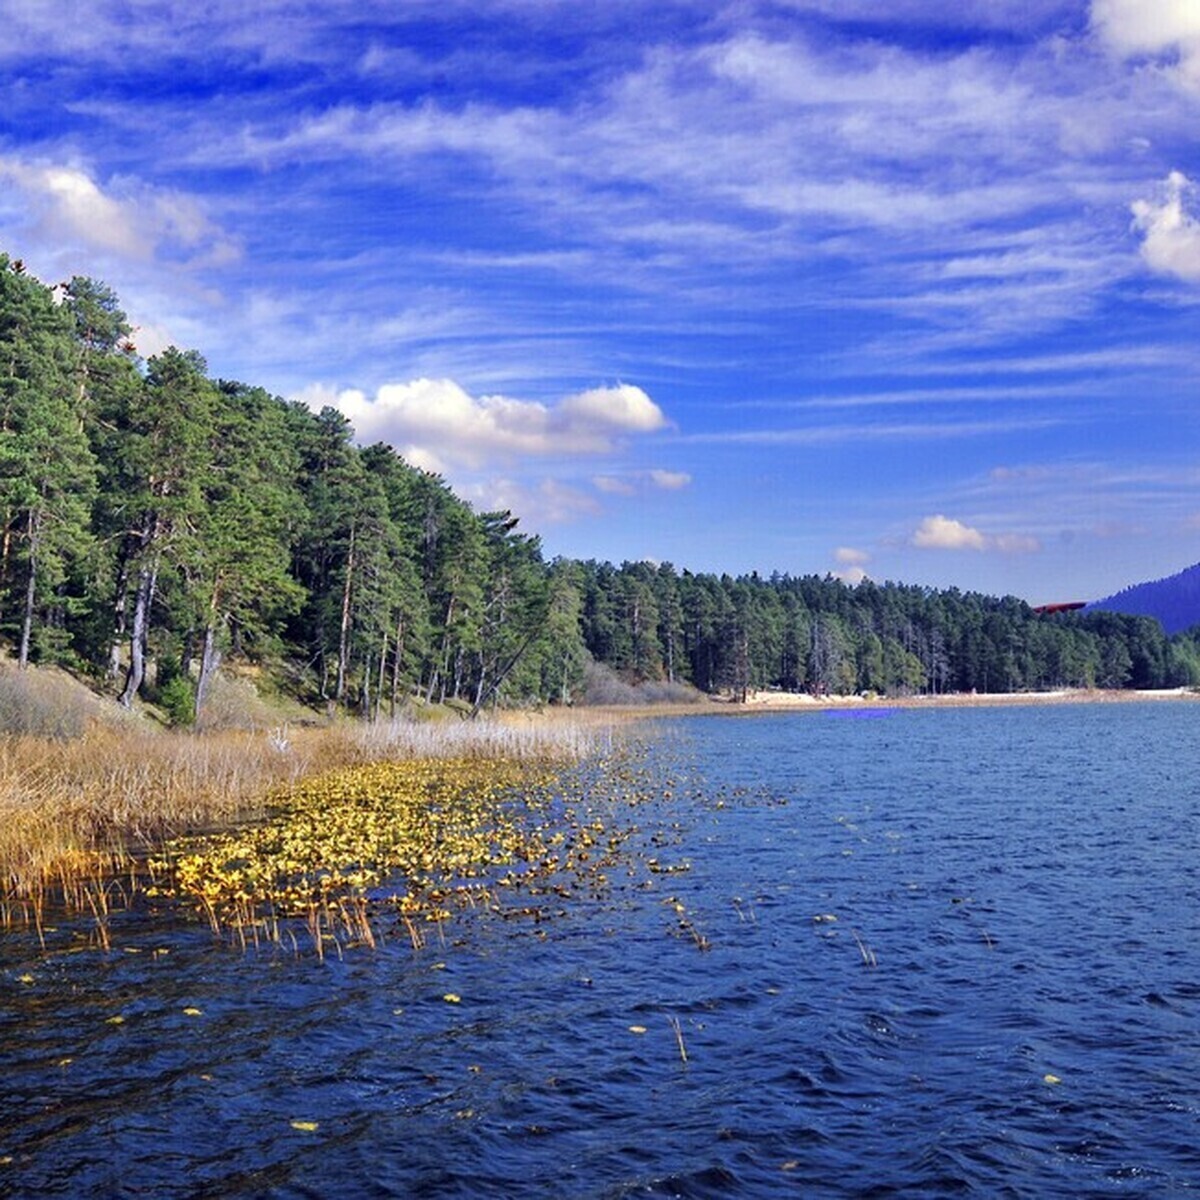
x=743, y=206
x=631, y=483
x=866, y=432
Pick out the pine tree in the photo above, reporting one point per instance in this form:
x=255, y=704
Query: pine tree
x=47, y=472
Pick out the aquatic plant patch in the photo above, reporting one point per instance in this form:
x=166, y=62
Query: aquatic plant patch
x=418, y=838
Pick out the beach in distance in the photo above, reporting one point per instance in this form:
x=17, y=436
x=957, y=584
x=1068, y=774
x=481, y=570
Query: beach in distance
x=771, y=701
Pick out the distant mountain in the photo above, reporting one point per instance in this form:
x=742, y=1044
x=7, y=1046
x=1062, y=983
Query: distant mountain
x=1175, y=601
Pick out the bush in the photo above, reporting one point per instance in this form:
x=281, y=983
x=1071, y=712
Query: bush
x=44, y=702
x=177, y=698
x=233, y=703
x=605, y=687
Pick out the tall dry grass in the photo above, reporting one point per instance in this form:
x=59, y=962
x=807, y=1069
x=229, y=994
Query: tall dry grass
x=518, y=736
x=88, y=805
x=77, y=810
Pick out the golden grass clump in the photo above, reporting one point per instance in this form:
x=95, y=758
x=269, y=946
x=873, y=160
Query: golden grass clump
x=76, y=813
x=77, y=810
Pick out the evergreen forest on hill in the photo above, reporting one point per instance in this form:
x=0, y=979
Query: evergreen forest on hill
x=156, y=522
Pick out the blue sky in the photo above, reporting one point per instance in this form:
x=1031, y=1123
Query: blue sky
x=909, y=289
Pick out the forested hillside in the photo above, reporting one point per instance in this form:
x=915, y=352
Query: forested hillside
x=156, y=521
x=1174, y=601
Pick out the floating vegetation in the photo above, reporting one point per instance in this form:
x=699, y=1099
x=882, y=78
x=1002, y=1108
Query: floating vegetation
x=417, y=839
x=78, y=818
x=520, y=820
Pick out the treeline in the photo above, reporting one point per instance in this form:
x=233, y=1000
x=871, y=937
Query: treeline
x=818, y=635
x=154, y=521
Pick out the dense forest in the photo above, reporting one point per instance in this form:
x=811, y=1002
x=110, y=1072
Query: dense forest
x=156, y=522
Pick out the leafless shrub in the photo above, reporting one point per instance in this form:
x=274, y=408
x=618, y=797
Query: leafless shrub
x=603, y=687
x=44, y=703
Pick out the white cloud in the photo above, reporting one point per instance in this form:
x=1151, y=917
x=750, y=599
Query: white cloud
x=550, y=502
x=670, y=481
x=126, y=219
x=852, y=576
x=1172, y=235
x=612, y=486
x=1165, y=29
x=622, y=408
x=849, y=556
x=437, y=420
x=633, y=482
x=945, y=533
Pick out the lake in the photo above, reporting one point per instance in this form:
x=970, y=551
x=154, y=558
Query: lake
x=903, y=953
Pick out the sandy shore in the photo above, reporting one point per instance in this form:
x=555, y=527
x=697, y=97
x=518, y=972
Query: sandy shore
x=778, y=702
x=791, y=701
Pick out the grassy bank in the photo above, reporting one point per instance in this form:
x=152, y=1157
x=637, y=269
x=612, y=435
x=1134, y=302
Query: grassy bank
x=87, y=791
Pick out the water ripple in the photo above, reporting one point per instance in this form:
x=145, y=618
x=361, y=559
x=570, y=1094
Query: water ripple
x=951, y=953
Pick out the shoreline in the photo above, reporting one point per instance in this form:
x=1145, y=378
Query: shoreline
x=790, y=702
x=765, y=702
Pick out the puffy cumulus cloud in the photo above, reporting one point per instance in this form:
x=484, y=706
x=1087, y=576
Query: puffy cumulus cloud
x=852, y=575
x=1171, y=242
x=622, y=408
x=430, y=420
x=944, y=533
x=66, y=207
x=1164, y=29
x=853, y=563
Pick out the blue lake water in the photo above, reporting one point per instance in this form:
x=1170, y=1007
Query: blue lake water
x=939, y=952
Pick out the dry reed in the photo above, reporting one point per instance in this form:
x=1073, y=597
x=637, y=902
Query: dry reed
x=76, y=812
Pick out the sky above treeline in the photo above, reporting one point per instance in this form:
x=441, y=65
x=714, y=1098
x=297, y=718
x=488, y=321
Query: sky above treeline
x=905, y=289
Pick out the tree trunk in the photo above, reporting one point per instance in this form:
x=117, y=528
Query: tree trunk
x=397, y=654
x=30, y=595
x=379, y=681
x=209, y=661
x=344, y=636
x=445, y=671
x=120, y=605
x=147, y=579
x=5, y=551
